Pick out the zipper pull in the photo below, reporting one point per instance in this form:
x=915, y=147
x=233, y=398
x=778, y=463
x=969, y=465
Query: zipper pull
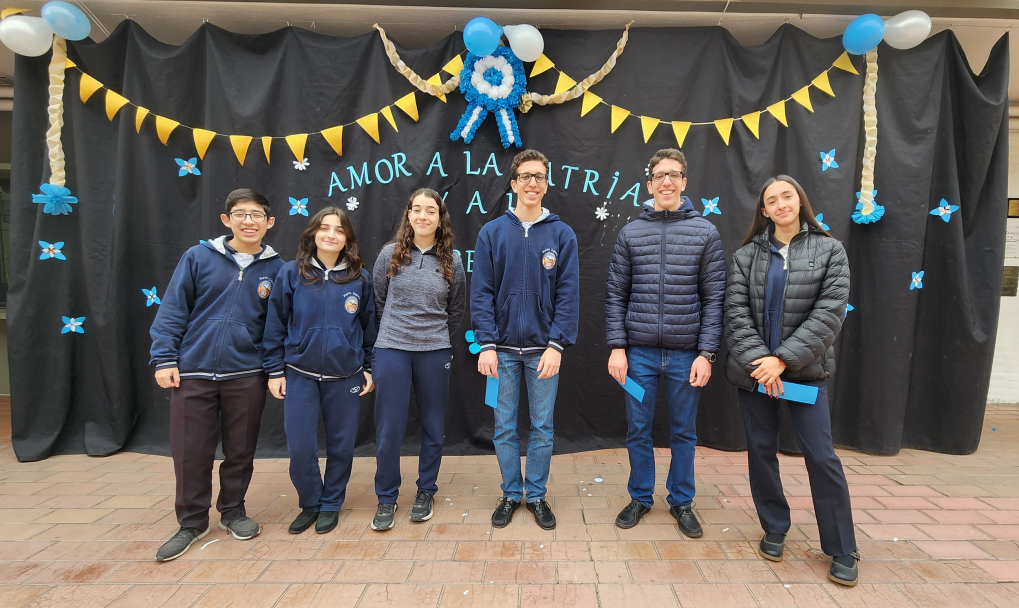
x=240, y=275
x=327, y=275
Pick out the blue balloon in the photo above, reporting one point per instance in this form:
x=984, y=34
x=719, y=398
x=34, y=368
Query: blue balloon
x=66, y=20
x=481, y=36
x=863, y=34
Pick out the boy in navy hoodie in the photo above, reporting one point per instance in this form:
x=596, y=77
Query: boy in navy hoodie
x=207, y=349
x=525, y=308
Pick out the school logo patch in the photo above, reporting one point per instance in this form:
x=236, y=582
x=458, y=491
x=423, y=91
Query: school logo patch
x=355, y=390
x=264, y=289
x=548, y=260
x=351, y=304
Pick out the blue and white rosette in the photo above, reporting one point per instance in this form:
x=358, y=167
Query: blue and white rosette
x=493, y=83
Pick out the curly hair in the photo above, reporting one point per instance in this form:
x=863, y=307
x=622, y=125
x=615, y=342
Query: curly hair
x=404, y=238
x=306, y=249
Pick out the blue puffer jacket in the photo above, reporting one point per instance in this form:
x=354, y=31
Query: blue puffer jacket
x=666, y=282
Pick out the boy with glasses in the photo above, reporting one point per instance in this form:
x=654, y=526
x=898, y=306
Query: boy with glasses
x=663, y=315
x=207, y=349
x=525, y=308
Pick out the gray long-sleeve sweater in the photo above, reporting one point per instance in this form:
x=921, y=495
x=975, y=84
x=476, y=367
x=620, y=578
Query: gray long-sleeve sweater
x=418, y=309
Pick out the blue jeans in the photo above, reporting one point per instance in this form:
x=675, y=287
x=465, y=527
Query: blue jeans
x=646, y=364
x=515, y=369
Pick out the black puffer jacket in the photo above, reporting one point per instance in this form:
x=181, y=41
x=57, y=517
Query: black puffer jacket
x=814, y=305
x=666, y=282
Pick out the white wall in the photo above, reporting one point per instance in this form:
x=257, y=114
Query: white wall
x=1005, y=372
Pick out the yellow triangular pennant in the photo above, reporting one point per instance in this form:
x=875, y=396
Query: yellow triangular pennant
x=114, y=103
x=7, y=12
x=87, y=85
x=724, y=126
x=266, y=144
x=454, y=66
x=203, y=138
x=778, y=111
x=590, y=101
x=334, y=137
x=648, y=125
x=68, y=64
x=823, y=84
x=370, y=124
x=165, y=126
x=753, y=123
x=680, y=128
x=541, y=64
x=387, y=112
x=139, y=116
x=565, y=83
x=240, y=145
x=296, y=143
x=803, y=97
x=409, y=104
x=435, y=80
x=618, y=116
x=845, y=63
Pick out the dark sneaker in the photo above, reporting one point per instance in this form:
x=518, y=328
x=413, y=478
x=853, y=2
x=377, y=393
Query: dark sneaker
x=631, y=514
x=242, y=528
x=503, y=514
x=385, y=515
x=179, y=544
x=326, y=521
x=843, y=574
x=688, y=523
x=542, y=514
x=303, y=521
x=770, y=551
x=422, y=509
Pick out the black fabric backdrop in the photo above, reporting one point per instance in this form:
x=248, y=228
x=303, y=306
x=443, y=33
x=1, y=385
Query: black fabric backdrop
x=914, y=366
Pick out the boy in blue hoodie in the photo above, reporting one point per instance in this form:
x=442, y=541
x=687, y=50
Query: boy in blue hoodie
x=207, y=349
x=525, y=308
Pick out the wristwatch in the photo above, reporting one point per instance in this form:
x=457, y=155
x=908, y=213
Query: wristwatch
x=709, y=356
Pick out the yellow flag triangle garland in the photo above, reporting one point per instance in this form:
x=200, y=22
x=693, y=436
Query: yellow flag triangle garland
x=387, y=112
x=648, y=126
x=542, y=64
x=846, y=64
x=590, y=102
x=240, y=144
x=266, y=145
x=823, y=84
x=203, y=138
x=803, y=98
x=724, y=126
x=618, y=116
x=139, y=116
x=680, y=128
x=565, y=83
x=68, y=64
x=7, y=12
x=753, y=123
x=778, y=111
x=114, y=103
x=370, y=124
x=454, y=66
x=408, y=103
x=87, y=86
x=437, y=82
x=334, y=136
x=165, y=126
x=296, y=143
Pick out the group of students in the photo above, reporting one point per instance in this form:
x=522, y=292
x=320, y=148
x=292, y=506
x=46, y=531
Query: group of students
x=319, y=332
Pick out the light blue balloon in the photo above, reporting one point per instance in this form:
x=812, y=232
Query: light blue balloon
x=66, y=20
x=863, y=34
x=481, y=36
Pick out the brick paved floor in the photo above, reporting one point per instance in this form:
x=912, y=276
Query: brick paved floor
x=934, y=530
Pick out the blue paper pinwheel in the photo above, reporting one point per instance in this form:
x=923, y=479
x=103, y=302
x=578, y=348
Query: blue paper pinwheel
x=945, y=210
x=57, y=199
x=875, y=214
x=151, y=297
x=849, y=308
x=493, y=83
x=187, y=166
x=820, y=220
x=474, y=347
x=828, y=160
x=72, y=325
x=298, y=207
x=51, y=250
x=917, y=282
x=710, y=206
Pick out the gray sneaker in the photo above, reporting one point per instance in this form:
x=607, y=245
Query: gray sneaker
x=384, y=516
x=242, y=528
x=179, y=544
x=422, y=509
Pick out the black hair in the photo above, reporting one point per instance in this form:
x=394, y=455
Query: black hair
x=247, y=195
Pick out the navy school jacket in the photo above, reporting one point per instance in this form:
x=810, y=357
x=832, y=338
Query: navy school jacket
x=325, y=330
x=525, y=288
x=210, y=322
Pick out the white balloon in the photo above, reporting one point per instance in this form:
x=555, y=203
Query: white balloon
x=29, y=36
x=908, y=29
x=525, y=40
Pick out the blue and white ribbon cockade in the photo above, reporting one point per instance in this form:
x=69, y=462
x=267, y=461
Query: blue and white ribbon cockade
x=493, y=83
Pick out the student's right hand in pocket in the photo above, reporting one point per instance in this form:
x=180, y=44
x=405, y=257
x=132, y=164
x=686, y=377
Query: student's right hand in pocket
x=488, y=363
x=278, y=387
x=168, y=377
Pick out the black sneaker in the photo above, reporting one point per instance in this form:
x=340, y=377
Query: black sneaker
x=385, y=515
x=503, y=514
x=845, y=575
x=631, y=514
x=326, y=521
x=303, y=521
x=242, y=528
x=542, y=514
x=688, y=523
x=422, y=509
x=770, y=551
x=179, y=544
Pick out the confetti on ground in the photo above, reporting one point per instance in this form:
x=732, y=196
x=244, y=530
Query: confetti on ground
x=210, y=542
x=598, y=480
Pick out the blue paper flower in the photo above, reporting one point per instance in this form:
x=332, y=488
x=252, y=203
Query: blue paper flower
x=828, y=160
x=869, y=218
x=493, y=83
x=57, y=199
x=151, y=297
x=474, y=347
x=945, y=210
x=188, y=166
x=51, y=250
x=72, y=325
x=849, y=308
x=820, y=220
x=710, y=206
x=298, y=207
x=917, y=282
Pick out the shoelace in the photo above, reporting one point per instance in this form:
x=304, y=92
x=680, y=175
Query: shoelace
x=421, y=499
x=387, y=508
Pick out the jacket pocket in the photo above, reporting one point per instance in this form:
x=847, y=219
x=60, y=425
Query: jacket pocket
x=239, y=352
x=506, y=321
x=341, y=358
x=198, y=350
x=537, y=324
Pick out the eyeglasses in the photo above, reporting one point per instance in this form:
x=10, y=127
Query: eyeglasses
x=525, y=178
x=659, y=177
x=256, y=216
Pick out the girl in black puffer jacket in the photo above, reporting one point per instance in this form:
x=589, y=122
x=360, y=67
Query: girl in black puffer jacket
x=784, y=304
